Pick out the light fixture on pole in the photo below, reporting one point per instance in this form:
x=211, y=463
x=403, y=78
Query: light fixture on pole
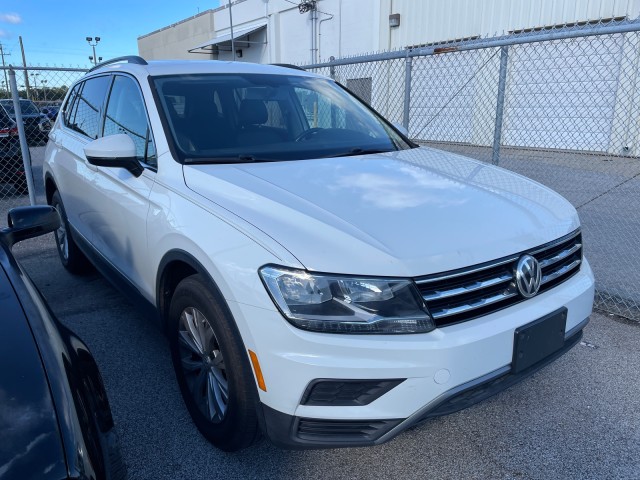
x=94, y=58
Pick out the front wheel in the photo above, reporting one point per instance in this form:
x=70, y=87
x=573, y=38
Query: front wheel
x=212, y=367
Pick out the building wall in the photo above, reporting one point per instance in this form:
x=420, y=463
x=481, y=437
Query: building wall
x=174, y=41
x=429, y=21
x=345, y=27
x=453, y=96
x=351, y=27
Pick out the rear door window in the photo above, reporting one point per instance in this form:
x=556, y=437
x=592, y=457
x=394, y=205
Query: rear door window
x=85, y=116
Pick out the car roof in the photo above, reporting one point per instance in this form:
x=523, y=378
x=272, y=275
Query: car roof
x=187, y=67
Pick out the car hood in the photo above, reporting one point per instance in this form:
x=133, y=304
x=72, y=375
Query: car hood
x=406, y=213
x=31, y=445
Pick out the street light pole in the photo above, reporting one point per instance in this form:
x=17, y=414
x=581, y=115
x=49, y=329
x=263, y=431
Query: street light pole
x=35, y=84
x=44, y=89
x=93, y=45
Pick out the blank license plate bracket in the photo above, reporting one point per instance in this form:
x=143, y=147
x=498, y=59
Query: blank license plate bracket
x=538, y=339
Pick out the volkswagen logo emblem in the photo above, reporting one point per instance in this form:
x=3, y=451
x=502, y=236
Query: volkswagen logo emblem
x=528, y=276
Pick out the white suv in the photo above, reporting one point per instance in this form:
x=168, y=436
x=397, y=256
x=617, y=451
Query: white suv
x=321, y=279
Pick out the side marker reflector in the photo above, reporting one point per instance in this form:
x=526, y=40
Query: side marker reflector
x=257, y=371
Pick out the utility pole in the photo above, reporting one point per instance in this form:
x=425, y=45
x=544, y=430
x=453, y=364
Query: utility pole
x=24, y=64
x=4, y=69
x=6, y=80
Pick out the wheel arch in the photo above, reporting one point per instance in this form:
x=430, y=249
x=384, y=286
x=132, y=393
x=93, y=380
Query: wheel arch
x=175, y=266
x=49, y=186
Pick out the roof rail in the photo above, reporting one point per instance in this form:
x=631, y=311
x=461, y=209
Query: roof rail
x=129, y=59
x=288, y=65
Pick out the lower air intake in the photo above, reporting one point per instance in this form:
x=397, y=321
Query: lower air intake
x=337, y=431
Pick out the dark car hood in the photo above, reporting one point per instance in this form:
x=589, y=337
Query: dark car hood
x=31, y=445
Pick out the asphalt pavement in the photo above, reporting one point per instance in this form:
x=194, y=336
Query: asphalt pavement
x=577, y=418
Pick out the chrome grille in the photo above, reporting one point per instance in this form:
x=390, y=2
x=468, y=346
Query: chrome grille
x=461, y=295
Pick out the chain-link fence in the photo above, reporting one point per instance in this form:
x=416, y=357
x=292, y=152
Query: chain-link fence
x=29, y=102
x=560, y=105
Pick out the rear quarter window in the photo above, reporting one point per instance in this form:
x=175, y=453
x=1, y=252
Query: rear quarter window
x=69, y=108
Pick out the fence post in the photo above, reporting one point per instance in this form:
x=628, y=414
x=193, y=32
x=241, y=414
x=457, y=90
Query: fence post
x=24, y=146
x=502, y=84
x=407, y=92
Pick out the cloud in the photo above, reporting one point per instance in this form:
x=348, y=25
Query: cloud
x=10, y=18
x=4, y=34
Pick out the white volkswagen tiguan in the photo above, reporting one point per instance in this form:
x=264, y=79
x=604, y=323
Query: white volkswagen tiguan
x=321, y=278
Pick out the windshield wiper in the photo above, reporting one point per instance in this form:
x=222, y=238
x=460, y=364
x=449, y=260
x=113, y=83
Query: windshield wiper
x=236, y=159
x=360, y=151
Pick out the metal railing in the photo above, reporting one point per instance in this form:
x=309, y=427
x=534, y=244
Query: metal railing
x=560, y=105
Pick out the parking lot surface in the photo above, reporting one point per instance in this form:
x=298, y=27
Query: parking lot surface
x=577, y=418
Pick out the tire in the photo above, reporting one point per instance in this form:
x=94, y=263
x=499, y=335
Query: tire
x=70, y=254
x=101, y=439
x=116, y=469
x=103, y=446
x=197, y=317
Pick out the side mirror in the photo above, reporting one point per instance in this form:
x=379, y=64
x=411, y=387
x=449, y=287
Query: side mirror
x=401, y=129
x=114, y=151
x=29, y=222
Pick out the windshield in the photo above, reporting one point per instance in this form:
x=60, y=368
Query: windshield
x=220, y=118
x=27, y=107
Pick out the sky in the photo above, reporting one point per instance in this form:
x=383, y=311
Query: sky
x=54, y=31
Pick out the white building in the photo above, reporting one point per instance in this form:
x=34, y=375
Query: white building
x=578, y=95
x=274, y=31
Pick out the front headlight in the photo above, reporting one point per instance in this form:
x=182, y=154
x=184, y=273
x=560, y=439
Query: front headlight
x=342, y=304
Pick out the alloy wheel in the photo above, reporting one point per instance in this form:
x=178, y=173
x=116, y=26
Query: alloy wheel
x=61, y=238
x=203, y=365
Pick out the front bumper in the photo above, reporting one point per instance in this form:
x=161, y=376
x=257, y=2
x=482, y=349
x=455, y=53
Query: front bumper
x=443, y=371
x=291, y=432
